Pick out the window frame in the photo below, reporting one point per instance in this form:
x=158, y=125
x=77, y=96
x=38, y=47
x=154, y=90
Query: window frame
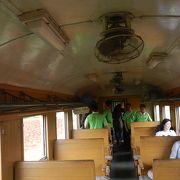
x=177, y=115
x=157, y=115
x=44, y=138
x=65, y=124
x=164, y=112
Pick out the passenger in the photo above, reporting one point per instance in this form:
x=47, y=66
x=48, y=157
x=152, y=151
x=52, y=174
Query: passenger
x=165, y=129
x=107, y=112
x=142, y=115
x=117, y=123
x=83, y=118
x=95, y=120
x=128, y=118
x=108, y=115
x=175, y=151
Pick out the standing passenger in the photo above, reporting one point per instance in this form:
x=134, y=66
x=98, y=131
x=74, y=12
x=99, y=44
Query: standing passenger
x=107, y=112
x=95, y=120
x=128, y=118
x=108, y=115
x=117, y=122
x=142, y=115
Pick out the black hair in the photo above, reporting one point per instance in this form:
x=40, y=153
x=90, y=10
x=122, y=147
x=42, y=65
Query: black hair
x=161, y=126
x=108, y=103
x=94, y=107
x=142, y=106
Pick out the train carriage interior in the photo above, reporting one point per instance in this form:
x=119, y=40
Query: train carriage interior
x=58, y=57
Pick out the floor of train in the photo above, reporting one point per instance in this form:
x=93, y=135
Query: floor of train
x=122, y=167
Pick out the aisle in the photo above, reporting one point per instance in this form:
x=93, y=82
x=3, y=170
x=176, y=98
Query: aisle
x=122, y=165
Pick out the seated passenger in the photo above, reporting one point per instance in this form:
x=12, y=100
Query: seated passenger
x=95, y=120
x=175, y=151
x=165, y=129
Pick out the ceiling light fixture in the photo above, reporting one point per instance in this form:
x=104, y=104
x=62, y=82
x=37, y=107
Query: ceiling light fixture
x=156, y=58
x=40, y=22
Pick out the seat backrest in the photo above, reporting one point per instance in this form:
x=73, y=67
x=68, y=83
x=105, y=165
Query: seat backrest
x=139, y=132
x=55, y=170
x=81, y=149
x=142, y=124
x=166, y=169
x=155, y=148
x=93, y=133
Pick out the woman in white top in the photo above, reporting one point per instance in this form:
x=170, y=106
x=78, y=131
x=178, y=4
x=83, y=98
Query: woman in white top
x=164, y=129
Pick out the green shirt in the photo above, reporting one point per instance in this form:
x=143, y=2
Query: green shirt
x=108, y=115
x=142, y=117
x=95, y=120
x=129, y=117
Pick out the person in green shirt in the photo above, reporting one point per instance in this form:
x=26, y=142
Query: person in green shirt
x=107, y=112
x=128, y=118
x=95, y=120
x=108, y=115
x=142, y=115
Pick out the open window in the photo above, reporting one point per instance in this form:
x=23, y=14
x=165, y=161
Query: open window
x=178, y=120
x=34, y=134
x=166, y=112
x=75, y=118
x=61, y=125
x=156, y=113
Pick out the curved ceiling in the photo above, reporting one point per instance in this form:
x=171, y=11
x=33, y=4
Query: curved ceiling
x=29, y=61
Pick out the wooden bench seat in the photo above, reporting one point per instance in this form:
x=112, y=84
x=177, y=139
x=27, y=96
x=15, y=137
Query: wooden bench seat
x=55, y=170
x=154, y=148
x=82, y=149
x=166, y=169
x=94, y=133
x=139, y=129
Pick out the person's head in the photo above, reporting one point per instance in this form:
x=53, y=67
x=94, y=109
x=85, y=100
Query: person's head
x=108, y=103
x=117, y=108
x=142, y=108
x=128, y=107
x=94, y=107
x=165, y=125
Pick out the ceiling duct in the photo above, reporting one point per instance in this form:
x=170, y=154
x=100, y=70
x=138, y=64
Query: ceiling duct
x=119, y=43
x=40, y=22
x=155, y=58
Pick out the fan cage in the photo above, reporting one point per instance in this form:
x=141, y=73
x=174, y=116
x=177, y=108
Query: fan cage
x=123, y=56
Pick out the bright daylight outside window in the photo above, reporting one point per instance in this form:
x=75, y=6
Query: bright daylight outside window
x=60, y=125
x=34, y=138
x=166, y=113
x=178, y=120
x=156, y=113
x=75, y=120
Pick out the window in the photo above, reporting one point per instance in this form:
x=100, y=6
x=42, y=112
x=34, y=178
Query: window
x=178, y=120
x=156, y=113
x=75, y=120
x=34, y=133
x=166, y=112
x=60, y=125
